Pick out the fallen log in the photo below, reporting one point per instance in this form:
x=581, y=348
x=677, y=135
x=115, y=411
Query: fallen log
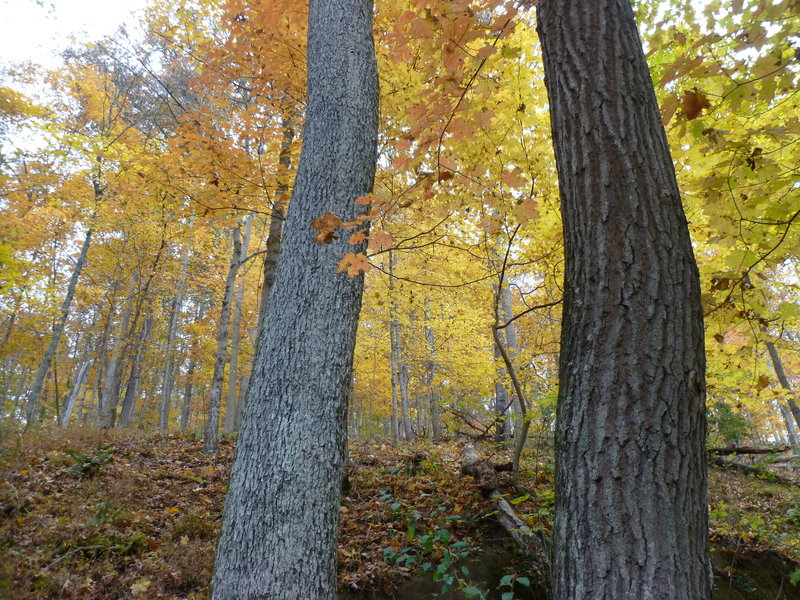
x=485, y=475
x=728, y=450
x=767, y=475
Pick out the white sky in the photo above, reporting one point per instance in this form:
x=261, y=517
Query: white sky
x=38, y=31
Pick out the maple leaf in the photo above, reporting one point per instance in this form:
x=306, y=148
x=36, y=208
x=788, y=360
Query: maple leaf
x=527, y=210
x=763, y=382
x=357, y=238
x=354, y=264
x=668, y=109
x=514, y=178
x=365, y=200
x=380, y=240
x=693, y=103
x=326, y=225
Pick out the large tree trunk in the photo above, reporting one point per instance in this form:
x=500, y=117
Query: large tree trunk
x=282, y=510
x=215, y=398
x=36, y=391
x=631, y=514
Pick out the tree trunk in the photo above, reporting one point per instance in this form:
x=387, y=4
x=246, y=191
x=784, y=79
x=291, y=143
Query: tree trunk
x=132, y=389
x=282, y=511
x=777, y=364
x=430, y=381
x=212, y=418
x=232, y=407
x=791, y=430
x=112, y=383
x=631, y=513
x=186, y=409
x=394, y=354
x=175, y=311
x=276, y=222
x=36, y=391
x=72, y=397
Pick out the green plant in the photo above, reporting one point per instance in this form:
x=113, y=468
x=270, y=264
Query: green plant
x=87, y=465
x=794, y=577
x=508, y=581
x=442, y=556
x=727, y=426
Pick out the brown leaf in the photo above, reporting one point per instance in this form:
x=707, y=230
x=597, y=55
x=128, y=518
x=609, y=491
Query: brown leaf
x=326, y=225
x=763, y=381
x=693, y=103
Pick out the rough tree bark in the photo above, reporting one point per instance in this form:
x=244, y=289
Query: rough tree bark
x=282, y=510
x=631, y=514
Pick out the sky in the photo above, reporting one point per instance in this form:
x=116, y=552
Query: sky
x=39, y=30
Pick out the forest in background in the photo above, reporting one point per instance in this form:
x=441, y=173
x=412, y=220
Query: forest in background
x=145, y=181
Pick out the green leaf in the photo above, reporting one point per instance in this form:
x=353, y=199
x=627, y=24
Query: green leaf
x=507, y=596
x=472, y=592
x=524, y=581
x=794, y=577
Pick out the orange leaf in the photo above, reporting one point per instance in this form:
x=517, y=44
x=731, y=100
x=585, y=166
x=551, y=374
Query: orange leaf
x=668, y=109
x=326, y=225
x=357, y=238
x=365, y=200
x=354, y=264
x=380, y=240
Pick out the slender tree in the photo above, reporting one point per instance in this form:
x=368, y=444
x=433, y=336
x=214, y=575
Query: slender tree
x=282, y=510
x=631, y=514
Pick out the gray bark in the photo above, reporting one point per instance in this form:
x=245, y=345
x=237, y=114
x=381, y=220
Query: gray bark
x=175, y=311
x=276, y=223
x=72, y=397
x=631, y=514
x=132, y=389
x=791, y=430
x=405, y=403
x=189, y=385
x=215, y=398
x=399, y=368
x=112, y=383
x=394, y=353
x=232, y=407
x=430, y=381
x=777, y=364
x=36, y=391
x=282, y=510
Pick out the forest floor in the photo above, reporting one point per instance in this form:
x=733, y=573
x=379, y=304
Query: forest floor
x=86, y=515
